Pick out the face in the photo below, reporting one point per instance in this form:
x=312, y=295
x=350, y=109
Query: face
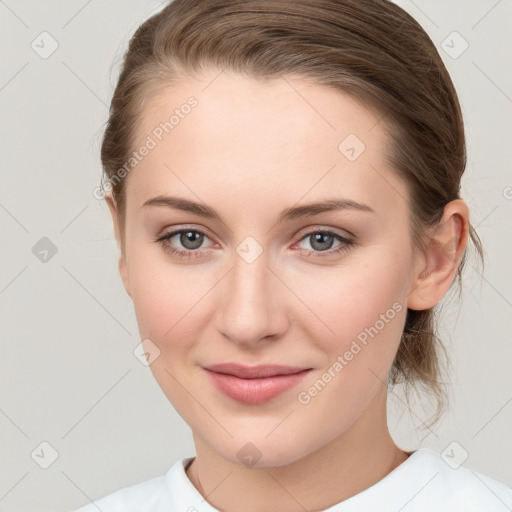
x=238, y=280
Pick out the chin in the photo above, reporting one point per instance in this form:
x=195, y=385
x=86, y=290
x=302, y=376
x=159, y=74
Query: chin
x=257, y=451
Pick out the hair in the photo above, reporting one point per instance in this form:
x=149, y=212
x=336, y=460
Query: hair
x=373, y=51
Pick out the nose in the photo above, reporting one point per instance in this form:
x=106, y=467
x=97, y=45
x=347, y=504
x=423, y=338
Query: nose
x=252, y=305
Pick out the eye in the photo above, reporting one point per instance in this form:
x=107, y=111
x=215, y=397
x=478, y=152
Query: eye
x=322, y=241
x=189, y=239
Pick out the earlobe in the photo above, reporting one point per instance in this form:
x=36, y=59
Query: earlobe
x=123, y=268
x=438, y=265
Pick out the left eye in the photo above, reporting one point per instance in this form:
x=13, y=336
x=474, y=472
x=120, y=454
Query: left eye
x=322, y=241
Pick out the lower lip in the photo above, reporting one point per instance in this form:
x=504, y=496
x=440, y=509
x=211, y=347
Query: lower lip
x=255, y=391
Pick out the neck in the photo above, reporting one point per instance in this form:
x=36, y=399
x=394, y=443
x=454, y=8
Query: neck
x=354, y=461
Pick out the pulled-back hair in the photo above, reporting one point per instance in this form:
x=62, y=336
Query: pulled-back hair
x=372, y=50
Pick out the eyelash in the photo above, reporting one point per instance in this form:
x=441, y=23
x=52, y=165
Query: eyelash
x=347, y=243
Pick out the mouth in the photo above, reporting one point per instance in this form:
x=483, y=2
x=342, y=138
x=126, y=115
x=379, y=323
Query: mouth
x=254, y=385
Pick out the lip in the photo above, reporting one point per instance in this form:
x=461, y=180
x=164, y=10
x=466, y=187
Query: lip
x=254, y=385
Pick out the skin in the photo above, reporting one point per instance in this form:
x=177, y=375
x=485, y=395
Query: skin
x=249, y=150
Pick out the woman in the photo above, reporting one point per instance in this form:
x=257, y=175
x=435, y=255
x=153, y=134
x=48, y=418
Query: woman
x=284, y=180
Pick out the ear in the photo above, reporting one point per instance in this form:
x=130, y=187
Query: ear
x=123, y=268
x=437, y=267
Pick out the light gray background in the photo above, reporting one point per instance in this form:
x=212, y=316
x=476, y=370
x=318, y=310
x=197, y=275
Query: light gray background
x=68, y=373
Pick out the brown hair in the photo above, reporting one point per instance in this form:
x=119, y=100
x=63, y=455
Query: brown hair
x=372, y=50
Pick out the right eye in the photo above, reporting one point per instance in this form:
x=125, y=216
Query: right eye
x=190, y=239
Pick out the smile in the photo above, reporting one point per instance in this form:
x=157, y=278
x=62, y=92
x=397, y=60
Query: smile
x=254, y=385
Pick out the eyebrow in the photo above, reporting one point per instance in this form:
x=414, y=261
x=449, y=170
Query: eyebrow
x=294, y=212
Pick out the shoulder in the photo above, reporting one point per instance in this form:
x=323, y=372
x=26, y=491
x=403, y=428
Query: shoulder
x=454, y=487
x=426, y=482
x=154, y=495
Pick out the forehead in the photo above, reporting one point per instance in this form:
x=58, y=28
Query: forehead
x=234, y=102
x=287, y=137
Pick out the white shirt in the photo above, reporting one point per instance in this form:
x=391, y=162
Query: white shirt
x=424, y=482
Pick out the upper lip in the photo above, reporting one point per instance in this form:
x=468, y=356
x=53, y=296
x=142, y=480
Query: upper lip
x=254, y=372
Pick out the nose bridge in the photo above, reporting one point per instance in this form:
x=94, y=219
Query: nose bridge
x=249, y=307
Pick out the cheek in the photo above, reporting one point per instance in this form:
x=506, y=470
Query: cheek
x=365, y=310
x=358, y=303
x=162, y=297
x=337, y=305
x=169, y=298
x=169, y=307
